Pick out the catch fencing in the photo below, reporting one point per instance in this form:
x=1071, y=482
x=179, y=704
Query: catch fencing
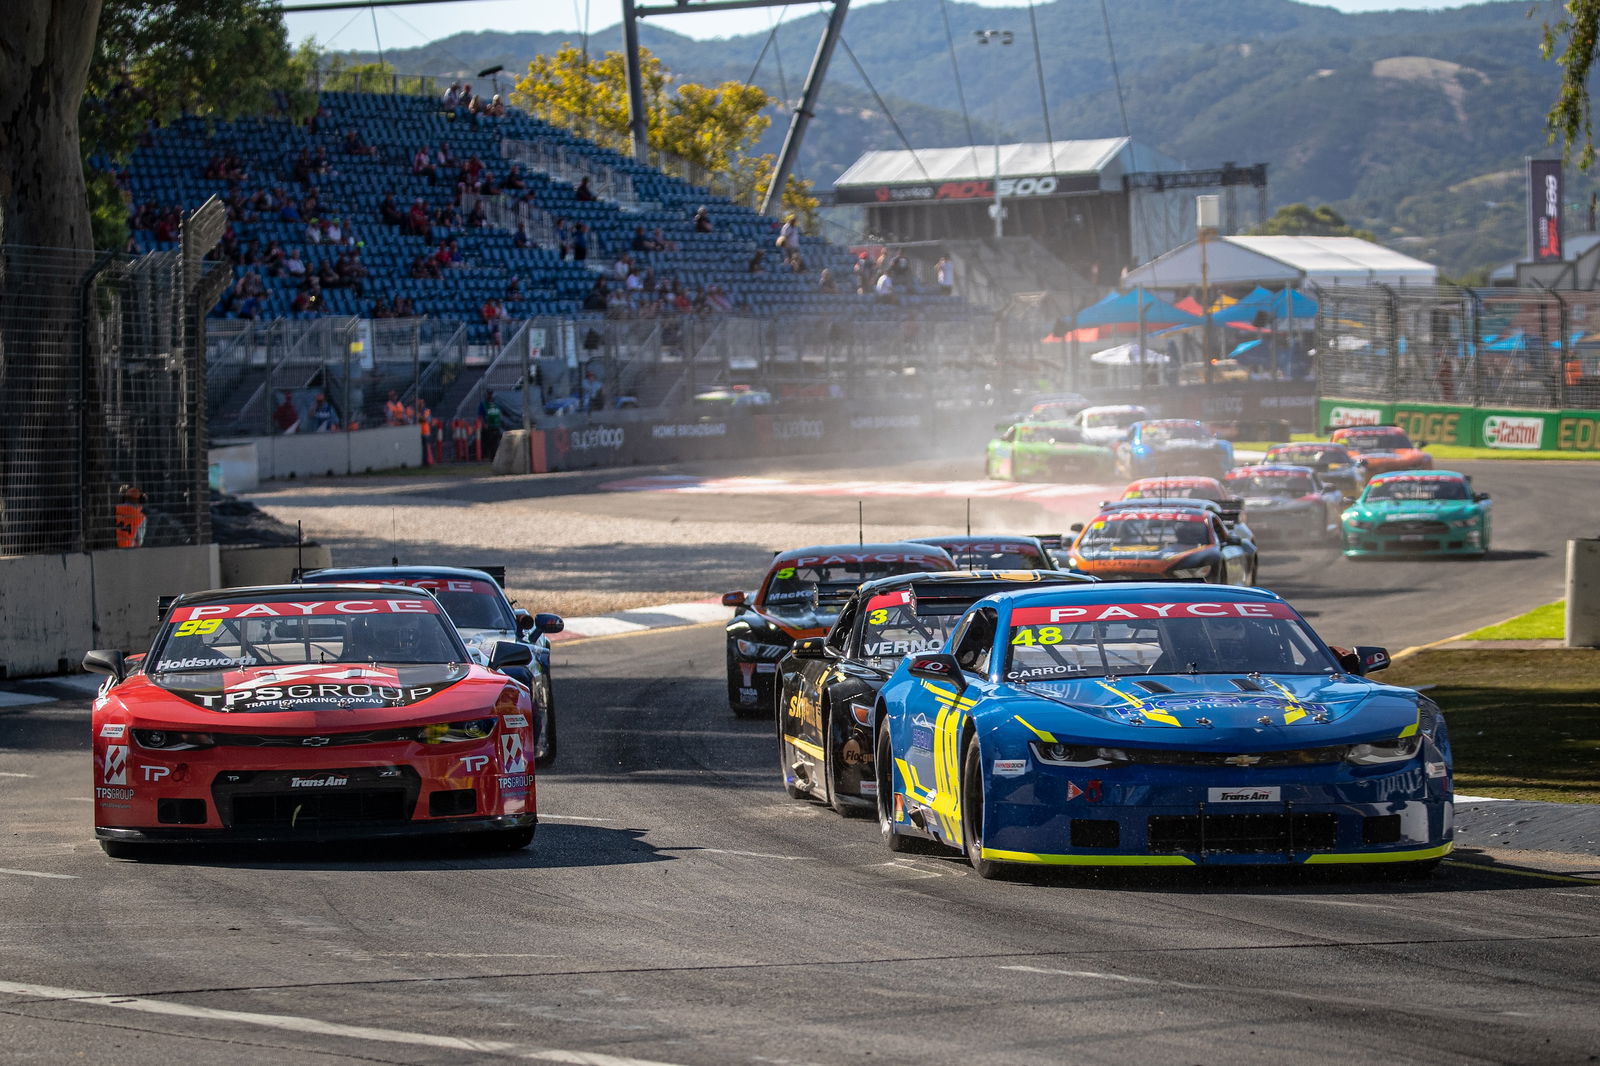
x=1534, y=349
x=102, y=391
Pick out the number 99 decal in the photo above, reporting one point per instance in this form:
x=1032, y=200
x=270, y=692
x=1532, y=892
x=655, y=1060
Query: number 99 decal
x=197, y=627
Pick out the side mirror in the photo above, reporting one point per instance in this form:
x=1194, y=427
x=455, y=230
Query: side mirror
x=548, y=623
x=525, y=620
x=811, y=648
x=1364, y=659
x=1076, y=527
x=508, y=653
x=106, y=661
x=1479, y=497
x=734, y=599
x=937, y=668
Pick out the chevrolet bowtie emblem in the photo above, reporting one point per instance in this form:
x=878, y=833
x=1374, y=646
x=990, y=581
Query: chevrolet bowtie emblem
x=314, y=742
x=1242, y=760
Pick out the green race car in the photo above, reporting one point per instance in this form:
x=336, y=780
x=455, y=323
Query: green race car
x=1045, y=451
x=1416, y=512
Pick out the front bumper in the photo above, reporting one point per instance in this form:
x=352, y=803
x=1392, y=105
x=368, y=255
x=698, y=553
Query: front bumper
x=435, y=828
x=1366, y=542
x=1149, y=817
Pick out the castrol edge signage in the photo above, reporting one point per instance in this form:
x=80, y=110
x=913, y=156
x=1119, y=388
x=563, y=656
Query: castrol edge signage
x=1513, y=431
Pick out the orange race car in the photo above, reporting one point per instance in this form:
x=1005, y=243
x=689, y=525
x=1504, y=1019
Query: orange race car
x=1382, y=449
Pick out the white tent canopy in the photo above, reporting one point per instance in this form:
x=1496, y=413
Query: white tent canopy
x=1129, y=355
x=1282, y=260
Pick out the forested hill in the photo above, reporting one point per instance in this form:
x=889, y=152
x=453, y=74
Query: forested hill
x=1413, y=124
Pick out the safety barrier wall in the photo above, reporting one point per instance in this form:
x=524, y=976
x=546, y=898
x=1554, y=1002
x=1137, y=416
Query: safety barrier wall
x=58, y=606
x=315, y=454
x=1512, y=429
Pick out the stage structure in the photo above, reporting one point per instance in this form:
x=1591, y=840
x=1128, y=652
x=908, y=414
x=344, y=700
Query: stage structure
x=1098, y=205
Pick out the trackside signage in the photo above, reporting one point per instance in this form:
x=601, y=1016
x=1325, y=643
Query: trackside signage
x=1480, y=427
x=1512, y=431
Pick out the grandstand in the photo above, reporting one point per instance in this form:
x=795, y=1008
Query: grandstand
x=170, y=170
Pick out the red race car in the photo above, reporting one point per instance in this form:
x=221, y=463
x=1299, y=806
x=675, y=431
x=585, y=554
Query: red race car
x=1382, y=449
x=310, y=713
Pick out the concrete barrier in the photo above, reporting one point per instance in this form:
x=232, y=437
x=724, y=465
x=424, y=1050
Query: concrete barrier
x=316, y=454
x=1583, y=593
x=56, y=607
x=243, y=566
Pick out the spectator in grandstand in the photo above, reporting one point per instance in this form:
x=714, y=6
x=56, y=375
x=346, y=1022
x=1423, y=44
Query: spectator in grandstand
x=417, y=218
x=333, y=231
x=442, y=159
x=580, y=242
x=390, y=211
x=497, y=107
x=520, y=238
x=381, y=309
x=272, y=261
x=447, y=217
x=168, y=225
x=563, y=236
x=452, y=96
x=477, y=218
x=422, y=166
x=423, y=267
x=294, y=265
x=757, y=264
x=285, y=415
x=514, y=288
x=595, y=300
x=351, y=271
x=885, y=289
x=944, y=275
x=716, y=299
x=622, y=266
x=900, y=270
x=661, y=241
x=323, y=417
x=488, y=186
x=642, y=241
x=313, y=231
x=354, y=145
x=583, y=194
x=493, y=313
x=145, y=217
x=788, y=235
x=309, y=299
x=514, y=178
x=405, y=307
x=702, y=220
x=825, y=282
x=863, y=274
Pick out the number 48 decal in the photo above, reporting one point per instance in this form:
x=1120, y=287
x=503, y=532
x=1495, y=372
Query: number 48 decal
x=1037, y=635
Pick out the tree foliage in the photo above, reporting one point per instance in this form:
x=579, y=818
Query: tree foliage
x=1303, y=220
x=712, y=129
x=1577, y=36
x=156, y=60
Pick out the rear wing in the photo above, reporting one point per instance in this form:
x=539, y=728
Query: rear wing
x=164, y=604
x=497, y=574
x=1050, y=541
x=832, y=593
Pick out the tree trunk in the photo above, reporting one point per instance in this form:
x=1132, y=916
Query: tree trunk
x=45, y=50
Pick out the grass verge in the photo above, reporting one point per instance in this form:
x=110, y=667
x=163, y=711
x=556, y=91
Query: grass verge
x=1542, y=623
x=1523, y=724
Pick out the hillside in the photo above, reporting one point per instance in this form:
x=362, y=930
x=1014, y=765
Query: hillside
x=1397, y=118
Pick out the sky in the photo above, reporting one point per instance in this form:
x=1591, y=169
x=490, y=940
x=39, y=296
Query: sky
x=407, y=27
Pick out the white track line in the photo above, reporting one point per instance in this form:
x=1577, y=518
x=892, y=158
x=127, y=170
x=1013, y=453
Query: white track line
x=36, y=873
x=314, y=1027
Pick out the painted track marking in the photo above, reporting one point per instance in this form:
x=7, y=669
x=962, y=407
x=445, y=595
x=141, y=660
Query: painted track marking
x=316, y=1027
x=36, y=873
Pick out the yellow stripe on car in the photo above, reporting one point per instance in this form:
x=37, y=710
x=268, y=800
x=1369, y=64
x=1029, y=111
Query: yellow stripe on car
x=813, y=750
x=1087, y=860
x=1418, y=855
x=1048, y=738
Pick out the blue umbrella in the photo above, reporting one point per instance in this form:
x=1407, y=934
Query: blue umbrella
x=1122, y=309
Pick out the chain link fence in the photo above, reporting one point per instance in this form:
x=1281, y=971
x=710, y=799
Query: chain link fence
x=1522, y=348
x=102, y=389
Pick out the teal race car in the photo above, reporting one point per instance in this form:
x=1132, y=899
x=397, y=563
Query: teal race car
x=1045, y=451
x=1417, y=512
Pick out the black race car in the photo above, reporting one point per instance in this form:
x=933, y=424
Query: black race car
x=998, y=552
x=475, y=601
x=827, y=684
x=800, y=597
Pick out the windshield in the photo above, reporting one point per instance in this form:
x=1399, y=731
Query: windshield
x=1097, y=640
x=796, y=580
x=470, y=602
x=997, y=556
x=1145, y=531
x=1418, y=488
x=1377, y=442
x=1271, y=484
x=1182, y=490
x=1157, y=432
x=1319, y=457
x=217, y=636
x=1045, y=434
x=1110, y=419
x=891, y=627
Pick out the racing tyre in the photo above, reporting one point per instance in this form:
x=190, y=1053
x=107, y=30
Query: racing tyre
x=785, y=763
x=972, y=816
x=830, y=770
x=122, y=849
x=545, y=754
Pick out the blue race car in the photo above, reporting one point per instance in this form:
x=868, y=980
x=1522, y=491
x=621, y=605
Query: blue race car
x=1162, y=725
x=1172, y=446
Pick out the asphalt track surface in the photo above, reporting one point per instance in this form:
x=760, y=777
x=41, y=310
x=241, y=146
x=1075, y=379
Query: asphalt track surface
x=677, y=908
